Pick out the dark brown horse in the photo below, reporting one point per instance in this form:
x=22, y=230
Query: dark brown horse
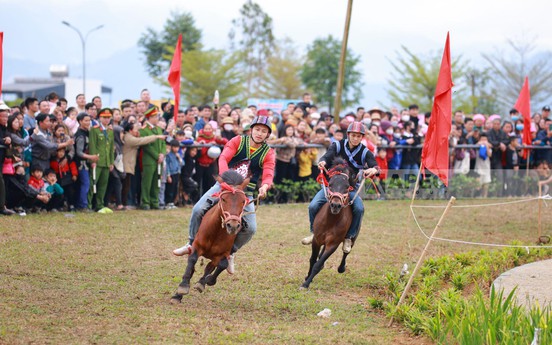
x=216, y=233
x=332, y=221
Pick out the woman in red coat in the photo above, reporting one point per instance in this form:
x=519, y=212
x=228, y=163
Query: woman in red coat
x=206, y=163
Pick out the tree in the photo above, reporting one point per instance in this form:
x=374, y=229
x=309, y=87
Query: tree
x=203, y=72
x=282, y=73
x=482, y=94
x=508, y=72
x=255, y=43
x=155, y=45
x=415, y=77
x=319, y=73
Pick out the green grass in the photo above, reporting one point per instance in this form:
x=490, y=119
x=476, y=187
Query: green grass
x=108, y=278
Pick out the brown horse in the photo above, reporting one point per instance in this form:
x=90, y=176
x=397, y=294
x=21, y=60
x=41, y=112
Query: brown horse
x=332, y=221
x=217, y=232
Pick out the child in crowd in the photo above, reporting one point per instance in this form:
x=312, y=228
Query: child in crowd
x=35, y=180
x=381, y=159
x=54, y=189
x=189, y=185
x=305, y=160
x=483, y=163
x=173, y=164
x=67, y=174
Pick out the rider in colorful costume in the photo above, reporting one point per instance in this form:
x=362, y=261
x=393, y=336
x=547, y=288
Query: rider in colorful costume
x=359, y=159
x=251, y=157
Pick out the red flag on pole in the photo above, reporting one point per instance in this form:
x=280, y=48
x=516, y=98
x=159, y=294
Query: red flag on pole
x=1, y=60
x=523, y=105
x=435, y=154
x=174, y=75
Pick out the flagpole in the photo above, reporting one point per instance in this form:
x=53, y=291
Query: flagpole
x=421, y=259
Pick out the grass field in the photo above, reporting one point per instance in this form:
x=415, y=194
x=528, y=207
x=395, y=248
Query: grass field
x=92, y=278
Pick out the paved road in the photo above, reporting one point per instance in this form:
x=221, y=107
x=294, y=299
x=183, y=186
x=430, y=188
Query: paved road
x=534, y=282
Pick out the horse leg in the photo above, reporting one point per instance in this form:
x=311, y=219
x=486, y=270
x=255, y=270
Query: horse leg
x=319, y=265
x=184, y=286
x=211, y=279
x=315, y=248
x=341, y=267
x=200, y=285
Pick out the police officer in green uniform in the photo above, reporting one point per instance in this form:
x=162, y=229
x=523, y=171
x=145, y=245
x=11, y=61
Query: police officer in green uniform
x=100, y=143
x=153, y=155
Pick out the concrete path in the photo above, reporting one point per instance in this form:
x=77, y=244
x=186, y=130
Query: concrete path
x=534, y=282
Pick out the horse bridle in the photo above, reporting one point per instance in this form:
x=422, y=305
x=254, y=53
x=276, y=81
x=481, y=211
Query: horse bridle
x=341, y=196
x=226, y=216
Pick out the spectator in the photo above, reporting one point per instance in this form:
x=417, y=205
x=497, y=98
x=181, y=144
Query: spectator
x=67, y=174
x=101, y=144
x=174, y=164
x=206, y=164
x=152, y=159
x=483, y=164
x=43, y=148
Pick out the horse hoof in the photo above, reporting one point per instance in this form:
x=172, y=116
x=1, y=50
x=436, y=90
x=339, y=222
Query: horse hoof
x=199, y=287
x=210, y=280
x=176, y=299
x=341, y=269
x=183, y=290
x=303, y=288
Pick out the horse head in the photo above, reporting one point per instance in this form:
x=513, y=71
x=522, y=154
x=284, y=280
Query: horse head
x=339, y=185
x=232, y=200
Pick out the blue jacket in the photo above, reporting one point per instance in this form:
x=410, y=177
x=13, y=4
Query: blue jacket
x=173, y=164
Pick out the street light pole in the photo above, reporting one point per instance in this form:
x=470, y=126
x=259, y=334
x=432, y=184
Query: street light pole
x=83, y=41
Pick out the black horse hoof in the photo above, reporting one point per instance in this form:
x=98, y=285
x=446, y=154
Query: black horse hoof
x=183, y=290
x=341, y=269
x=303, y=288
x=210, y=280
x=199, y=287
x=176, y=299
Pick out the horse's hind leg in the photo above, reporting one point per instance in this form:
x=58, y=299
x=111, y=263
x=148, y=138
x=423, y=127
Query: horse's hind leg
x=319, y=265
x=341, y=267
x=200, y=285
x=184, y=286
x=211, y=279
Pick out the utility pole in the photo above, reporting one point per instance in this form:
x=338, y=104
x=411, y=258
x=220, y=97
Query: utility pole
x=341, y=74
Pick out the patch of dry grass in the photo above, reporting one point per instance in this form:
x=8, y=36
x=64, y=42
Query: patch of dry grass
x=108, y=278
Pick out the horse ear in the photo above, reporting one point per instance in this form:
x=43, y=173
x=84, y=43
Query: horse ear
x=245, y=183
x=218, y=178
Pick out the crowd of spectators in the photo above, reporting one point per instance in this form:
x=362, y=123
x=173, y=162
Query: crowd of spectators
x=85, y=157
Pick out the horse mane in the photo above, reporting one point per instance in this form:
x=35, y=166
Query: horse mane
x=339, y=165
x=232, y=177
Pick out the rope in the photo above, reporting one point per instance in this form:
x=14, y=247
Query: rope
x=547, y=197
x=544, y=197
x=257, y=201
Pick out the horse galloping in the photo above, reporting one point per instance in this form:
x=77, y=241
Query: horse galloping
x=217, y=232
x=332, y=221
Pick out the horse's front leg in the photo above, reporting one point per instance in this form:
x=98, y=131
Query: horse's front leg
x=328, y=251
x=342, y=265
x=200, y=285
x=315, y=250
x=211, y=279
x=184, y=286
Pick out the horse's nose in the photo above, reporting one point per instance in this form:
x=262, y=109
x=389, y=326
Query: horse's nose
x=232, y=227
x=335, y=207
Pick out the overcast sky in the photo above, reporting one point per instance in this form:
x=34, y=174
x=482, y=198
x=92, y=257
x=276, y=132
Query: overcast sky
x=33, y=29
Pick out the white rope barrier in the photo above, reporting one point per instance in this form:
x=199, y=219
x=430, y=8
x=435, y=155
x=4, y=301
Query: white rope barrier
x=544, y=197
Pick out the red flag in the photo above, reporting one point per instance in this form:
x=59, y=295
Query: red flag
x=174, y=74
x=1, y=60
x=435, y=154
x=523, y=105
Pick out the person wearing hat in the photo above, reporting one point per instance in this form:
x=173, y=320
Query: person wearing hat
x=152, y=159
x=101, y=144
x=228, y=130
x=360, y=160
x=545, y=112
x=251, y=157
